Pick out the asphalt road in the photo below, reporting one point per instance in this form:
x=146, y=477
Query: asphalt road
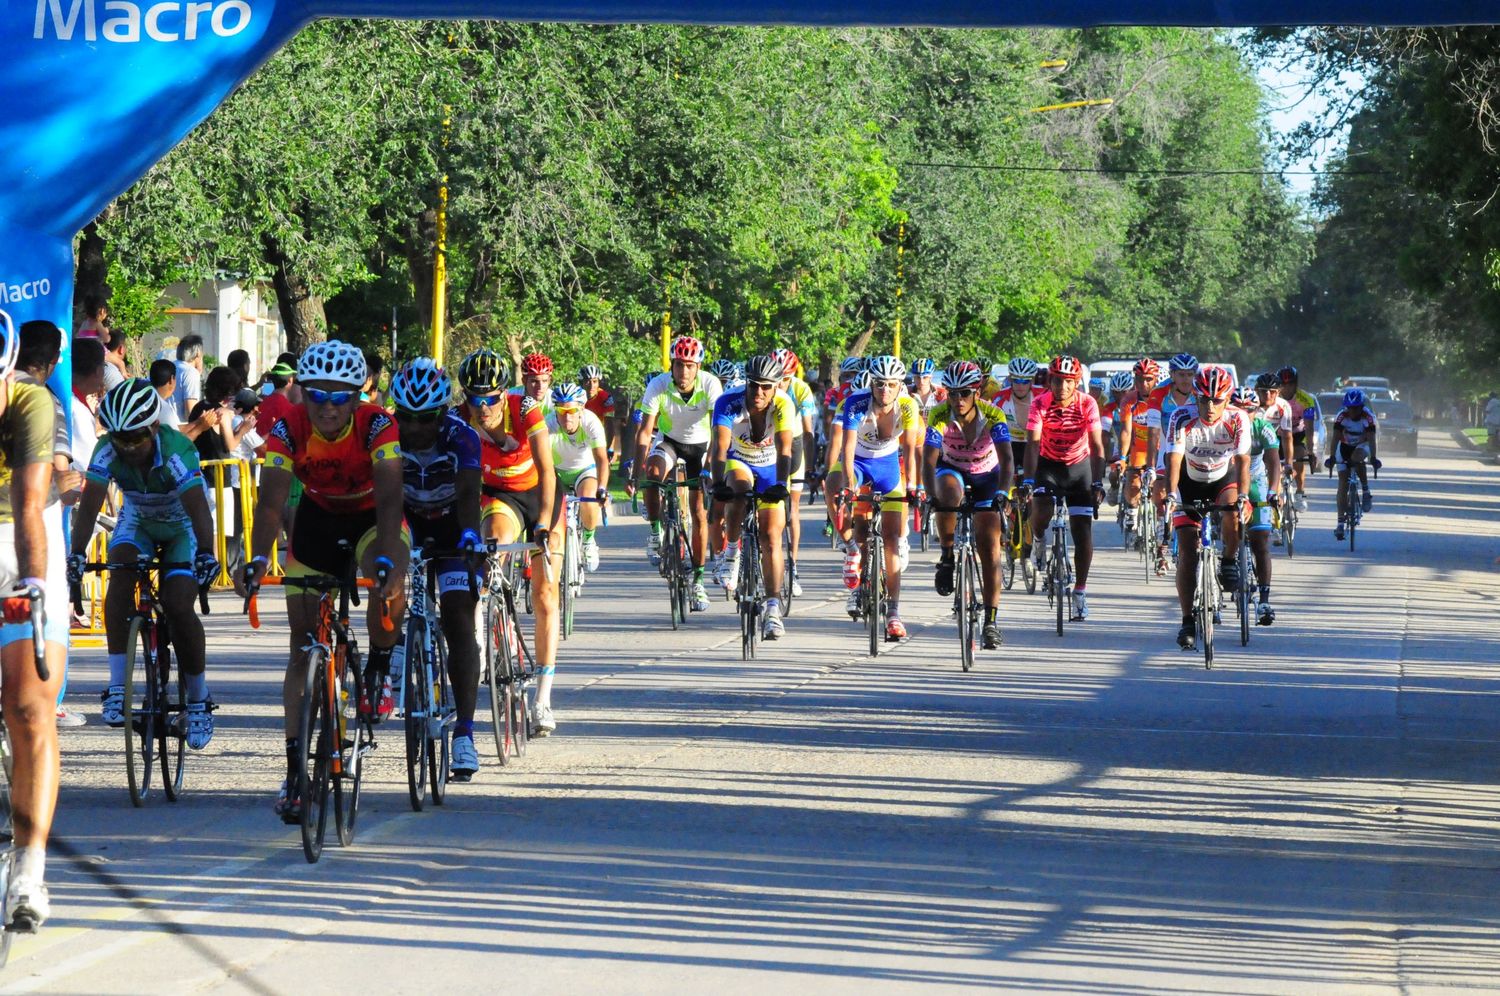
x=1089, y=814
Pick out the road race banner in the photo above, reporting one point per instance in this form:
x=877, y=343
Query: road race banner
x=92, y=92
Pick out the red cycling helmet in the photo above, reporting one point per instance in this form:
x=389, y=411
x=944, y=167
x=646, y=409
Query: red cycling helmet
x=1148, y=368
x=533, y=364
x=789, y=361
x=1213, y=383
x=1066, y=367
x=687, y=349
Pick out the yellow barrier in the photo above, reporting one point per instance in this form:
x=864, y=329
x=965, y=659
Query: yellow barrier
x=249, y=493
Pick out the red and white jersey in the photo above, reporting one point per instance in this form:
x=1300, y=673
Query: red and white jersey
x=1065, y=429
x=1208, y=449
x=1279, y=415
x=1358, y=425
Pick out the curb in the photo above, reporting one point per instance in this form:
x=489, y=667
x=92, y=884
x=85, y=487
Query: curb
x=1463, y=440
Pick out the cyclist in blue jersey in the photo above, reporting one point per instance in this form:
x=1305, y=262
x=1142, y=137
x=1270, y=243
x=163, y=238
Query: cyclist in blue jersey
x=440, y=458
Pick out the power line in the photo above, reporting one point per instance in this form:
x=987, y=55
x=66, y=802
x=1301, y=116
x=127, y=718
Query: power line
x=1131, y=170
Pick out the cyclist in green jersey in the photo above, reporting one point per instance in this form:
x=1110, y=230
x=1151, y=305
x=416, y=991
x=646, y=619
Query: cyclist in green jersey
x=165, y=512
x=1265, y=486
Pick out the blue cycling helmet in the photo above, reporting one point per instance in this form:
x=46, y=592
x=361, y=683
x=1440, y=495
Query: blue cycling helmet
x=421, y=386
x=861, y=381
x=723, y=368
x=923, y=368
x=1355, y=397
x=1183, y=361
x=852, y=365
x=568, y=395
x=1121, y=381
x=1021, y=369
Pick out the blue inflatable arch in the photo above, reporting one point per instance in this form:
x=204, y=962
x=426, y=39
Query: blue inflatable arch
x=95, y=91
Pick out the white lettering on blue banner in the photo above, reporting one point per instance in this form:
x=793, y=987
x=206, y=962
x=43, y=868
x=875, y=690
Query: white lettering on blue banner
x=127, y=22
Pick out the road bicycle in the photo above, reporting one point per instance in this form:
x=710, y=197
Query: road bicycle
x=749, y=597
x=968, y=590
x=1016, y=539
x=1208, y=596
x=335, y=734
x=872, y=582
x=676, y=564
x=1286, y=516
x=1059, y=563
x=1354, y=507
x=509, y=668
x=570, y=590
x=425, y=692
x=155, y=716
x=11, y=925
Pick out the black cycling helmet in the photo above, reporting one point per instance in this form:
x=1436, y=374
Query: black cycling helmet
x=1267, y=382
x=1287, y=375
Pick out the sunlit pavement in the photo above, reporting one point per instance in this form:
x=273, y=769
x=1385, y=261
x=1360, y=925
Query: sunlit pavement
x=1095, y=813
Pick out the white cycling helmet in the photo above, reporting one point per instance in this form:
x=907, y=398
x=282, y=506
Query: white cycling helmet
x=11, y=347
x=421, y=386
x=333, y=361
x=129, y=405
x=1121, y=381
x=887, y=367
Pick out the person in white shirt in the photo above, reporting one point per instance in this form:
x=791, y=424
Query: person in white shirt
x=189, y=389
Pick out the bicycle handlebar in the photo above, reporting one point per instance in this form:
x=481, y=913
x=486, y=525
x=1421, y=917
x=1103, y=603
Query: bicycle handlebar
x=37, y=599
x=141, y=566
x=322, y=583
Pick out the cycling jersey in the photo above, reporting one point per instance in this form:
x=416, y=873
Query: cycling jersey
x=336, y=473
x=1305, y=412
x=1279, y=414
x=1016, y=410
x=1065, y=428
x=154, y=494
x=933, y=398
x=1132, y=413
x=859, y=417
x=602, y=404
x=1358, y=425
x=834, y=400
x=545, y=402
x=26, y=436
x=1208, y=450
x=1263, y=436
x=572, y=452
x=946, y=433
x=678, y=416
x=506, y=464
x=803, y=405
x=745, y=446
x=430, y=477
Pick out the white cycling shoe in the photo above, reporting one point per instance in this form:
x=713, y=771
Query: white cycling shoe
x=903, y=554
x=26, y=901
x=774, y=628
x=113, y=713
x=1080, y=605
x=543, y=720
x=591, y=555
x=699, y=597
x=732, y=571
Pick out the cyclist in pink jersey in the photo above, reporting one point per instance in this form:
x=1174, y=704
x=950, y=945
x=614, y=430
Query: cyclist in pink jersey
x=1065, y=460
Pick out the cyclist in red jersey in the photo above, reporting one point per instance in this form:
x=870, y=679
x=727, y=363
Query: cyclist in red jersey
x=520, y=494
x=347, y=454
x=1065, y=458
x=600, y=401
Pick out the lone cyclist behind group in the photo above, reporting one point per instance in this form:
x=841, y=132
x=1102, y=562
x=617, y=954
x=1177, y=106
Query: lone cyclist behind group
x=440, y=458
x=968, y=449
x=347, y=454
x=165, y=515
x=1351, y=443
x=752, y=455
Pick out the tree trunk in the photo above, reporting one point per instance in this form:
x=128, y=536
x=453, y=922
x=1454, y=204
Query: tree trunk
x=857, y=348
x=418, y=246
x=301, y=310
x=90, y=279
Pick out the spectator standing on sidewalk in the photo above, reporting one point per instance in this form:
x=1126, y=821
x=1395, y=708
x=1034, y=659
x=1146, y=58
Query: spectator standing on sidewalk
x=1492, y=420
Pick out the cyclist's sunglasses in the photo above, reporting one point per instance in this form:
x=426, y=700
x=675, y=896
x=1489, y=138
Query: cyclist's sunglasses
x=318, y=397
x=130, y=439
x=963, y=392
x=417, y=418
x=485, y=400
x=1018, y=381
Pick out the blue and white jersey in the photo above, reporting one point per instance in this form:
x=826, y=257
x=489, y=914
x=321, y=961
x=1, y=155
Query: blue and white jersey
x=430, y=477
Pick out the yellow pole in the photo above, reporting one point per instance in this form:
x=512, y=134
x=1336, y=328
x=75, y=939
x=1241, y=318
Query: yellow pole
x=440, y=258
x=1070, y=105
x=900, y=286
x=666, y=333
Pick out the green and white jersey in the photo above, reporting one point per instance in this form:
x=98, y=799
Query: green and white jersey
x=575, y=451
x=682, y=417
x=1263, y=436
x=156, y=494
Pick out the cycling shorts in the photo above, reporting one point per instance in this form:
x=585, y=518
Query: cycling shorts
x=1345, y=454
x=761, y=477
x=522, y=507
x=983, y=487
x=316, y=534
x=1218, y=492
x=570, y=478
x=57, y=618
x=882, y=475
x=692, y=455
x=1018, y=450
x=1069, y=481
x=172, y=540
x=1299, y=446
x=442, y=533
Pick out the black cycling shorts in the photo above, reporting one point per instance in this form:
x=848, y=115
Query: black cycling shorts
x=527, y=506
x=316, y=533
x=692, y=455
x=1067, y=480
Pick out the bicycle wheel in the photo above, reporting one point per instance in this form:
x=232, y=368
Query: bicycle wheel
x=6, y=860
x=1289, y=528
x=520, y=717
x=312, y=765
x=352, y=738
x=171, y=726
x=141, y=708
x=747, y=595
x=441, y=721
x=788, y=567
x=1059, y=580
x=497, y=672
x=1208, y=597
x=566, y=593
x=1146, y=533
x=924, y=527
x=1242, y=600
x=684, y=587
x=963, y=596
x=1009, y=549
x=670, y=568
x=418, y=698
x=874, y=589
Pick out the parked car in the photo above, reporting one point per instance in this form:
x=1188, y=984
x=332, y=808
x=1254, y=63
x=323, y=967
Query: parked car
x=1398, y=425
x=1375, y=387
